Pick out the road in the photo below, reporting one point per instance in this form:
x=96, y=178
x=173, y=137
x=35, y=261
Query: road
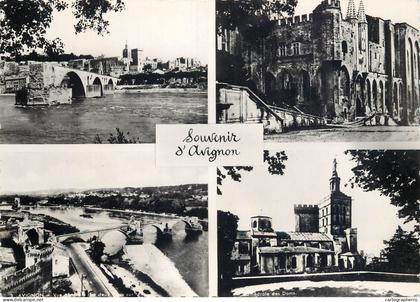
x=84, y=265
x=356, y=134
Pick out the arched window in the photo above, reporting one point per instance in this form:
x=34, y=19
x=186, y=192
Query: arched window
x=254, y=224
x=282, y=50
x=344, y=48
x=296, y=48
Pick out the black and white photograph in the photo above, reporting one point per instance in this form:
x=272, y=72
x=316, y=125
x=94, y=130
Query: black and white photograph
x=85, y=72
x=87, y=224
x=320, y=70
x=324, y=222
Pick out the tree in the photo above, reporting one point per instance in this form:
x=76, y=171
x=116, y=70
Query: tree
x=97, y=250
x=275, y=166
x=119, y=138
x=403, y=252
x=252, y=18
x=394, y=173
x=24, y=24
x=227, y=226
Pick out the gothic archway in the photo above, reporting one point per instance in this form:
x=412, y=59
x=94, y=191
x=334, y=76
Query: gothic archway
x=368, y=95
x=344, y=79
x=381, y=97
x=375, y=95
x=395, y=104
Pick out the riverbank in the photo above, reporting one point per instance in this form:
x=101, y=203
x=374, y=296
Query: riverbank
x=159, y=90
x=152, y=214
x=149, y=260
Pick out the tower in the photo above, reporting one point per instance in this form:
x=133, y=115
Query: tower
x=363, y=39
x=126, y=52
x=334, y=180
x=353, y=20
x=351, y=11
x=327, y=39
x=261, y=224
x=307, y=218
x=335, y=211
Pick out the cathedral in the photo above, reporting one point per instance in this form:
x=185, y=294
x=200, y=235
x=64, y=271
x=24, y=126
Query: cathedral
x=343, y=67
x=323, y=241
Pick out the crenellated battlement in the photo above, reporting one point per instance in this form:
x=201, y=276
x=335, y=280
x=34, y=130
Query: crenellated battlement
x=306, y=208
x=301, y=19
x=332, y=3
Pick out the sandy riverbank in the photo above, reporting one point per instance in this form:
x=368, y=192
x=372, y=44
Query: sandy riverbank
x=148, y=259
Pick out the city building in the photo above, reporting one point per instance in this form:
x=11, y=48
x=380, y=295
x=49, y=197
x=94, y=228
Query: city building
x=341, y=67
x=137, y=60
x=323, y=240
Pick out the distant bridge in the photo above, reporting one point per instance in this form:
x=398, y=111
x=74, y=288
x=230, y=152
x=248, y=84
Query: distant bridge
x=88, y=235
x=161, y=226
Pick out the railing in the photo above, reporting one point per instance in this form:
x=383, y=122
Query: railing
x=253, y=96
x=289, y=118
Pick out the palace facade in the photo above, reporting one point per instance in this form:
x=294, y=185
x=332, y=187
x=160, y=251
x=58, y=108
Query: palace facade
x=343, y=68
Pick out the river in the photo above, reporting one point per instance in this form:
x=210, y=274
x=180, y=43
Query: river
x=190, y=255
x=80, y=122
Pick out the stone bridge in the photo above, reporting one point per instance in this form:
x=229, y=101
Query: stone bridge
x=86, y=236
x=161, y=226
x=51, y=83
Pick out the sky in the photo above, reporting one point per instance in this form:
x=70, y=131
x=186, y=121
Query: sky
x=397, y=11
x=56, y=169
x=162, y=28
x=306, y=181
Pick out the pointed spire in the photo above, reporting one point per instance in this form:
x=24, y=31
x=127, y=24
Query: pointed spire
x=335, y=180
x=362, y=15
x=335, y=168
x=351, y=10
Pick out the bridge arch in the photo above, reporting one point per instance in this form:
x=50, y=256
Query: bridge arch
x=72, y=239
x=111, y=84
x=72, y=80
x=98, y=83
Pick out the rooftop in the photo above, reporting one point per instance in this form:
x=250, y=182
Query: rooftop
x=293, y=250
x=243, y=235
x=297, y=236
x=7, y=256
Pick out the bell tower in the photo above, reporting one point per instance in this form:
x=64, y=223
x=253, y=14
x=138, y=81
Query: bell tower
x=335, y=180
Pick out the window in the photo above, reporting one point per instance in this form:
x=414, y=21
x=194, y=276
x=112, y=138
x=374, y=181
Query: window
x=344, y=48
x=282, y=50
x=243, y=248
x=282, y=261
x=296, y=48
x=254, y=224
x=294, y=264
